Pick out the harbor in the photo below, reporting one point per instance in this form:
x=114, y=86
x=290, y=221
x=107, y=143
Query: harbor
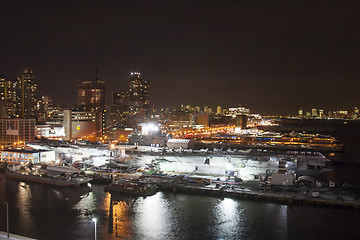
x=215, y=180
x=166, y=207
x=281, y=176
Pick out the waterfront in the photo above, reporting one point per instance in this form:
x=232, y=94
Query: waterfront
x=47, y=212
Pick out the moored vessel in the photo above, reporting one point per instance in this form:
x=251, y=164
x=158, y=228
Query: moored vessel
x=53, y=175
x=132, y=187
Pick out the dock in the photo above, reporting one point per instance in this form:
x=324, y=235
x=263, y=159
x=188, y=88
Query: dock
x=283, y=197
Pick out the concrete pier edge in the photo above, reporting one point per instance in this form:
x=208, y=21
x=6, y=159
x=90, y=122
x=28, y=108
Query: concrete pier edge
x=3, y=235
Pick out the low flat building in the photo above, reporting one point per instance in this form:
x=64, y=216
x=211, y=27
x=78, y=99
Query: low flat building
x=56, y=132
x=75, y=124
x=25, y=156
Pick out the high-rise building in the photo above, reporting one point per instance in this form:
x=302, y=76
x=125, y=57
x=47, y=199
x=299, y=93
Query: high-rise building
x=120, y=97
x=206, y=109
x=356, y=113
x=219, y=110
x=139, y=90
x=330, y=114
x=18, y=97
x=25, y=95
x=314, y=112
x=15, y=131
x=43, y=106
x=321, y=113
x=241, y=121
x=7, y=94
x=128, y=108
x=91, y=95
x=301, y=112
x=119, y=106
x=91, y=98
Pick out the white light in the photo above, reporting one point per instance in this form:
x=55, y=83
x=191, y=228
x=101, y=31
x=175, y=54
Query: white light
x=149, y=128
x=94, y=219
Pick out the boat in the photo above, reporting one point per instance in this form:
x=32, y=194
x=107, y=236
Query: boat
x=59, y=176
x=132, y=187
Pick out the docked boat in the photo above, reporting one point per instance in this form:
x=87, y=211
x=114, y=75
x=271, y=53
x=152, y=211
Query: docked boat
x=132, y=187
x=53, y=175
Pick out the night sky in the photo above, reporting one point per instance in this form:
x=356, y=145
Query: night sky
x=273, y=56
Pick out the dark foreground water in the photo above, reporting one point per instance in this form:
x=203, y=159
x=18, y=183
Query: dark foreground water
x=47, y=212
x=44, y=212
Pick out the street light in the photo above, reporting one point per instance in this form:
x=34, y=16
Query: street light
x=7, y=219
x=95, y=220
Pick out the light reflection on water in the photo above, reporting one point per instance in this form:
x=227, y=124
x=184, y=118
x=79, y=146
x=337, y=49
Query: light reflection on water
x=227, y=218
x=45, y=212
x=87, y=204
x=23, y=204
x=117, y=210
x=153, y=218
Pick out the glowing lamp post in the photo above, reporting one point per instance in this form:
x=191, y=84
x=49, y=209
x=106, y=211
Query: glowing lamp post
x=95, y=220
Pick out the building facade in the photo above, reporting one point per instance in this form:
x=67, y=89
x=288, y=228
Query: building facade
x=18, y=97
x=15, y=131
x=91, y=95
x=26, y=156
x=25, y=100
x=139, y=90
x=91, y=98
x=131, y=107
x=236, y=111
x=68, y=124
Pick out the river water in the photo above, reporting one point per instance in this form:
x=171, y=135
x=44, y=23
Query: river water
x=44, y=212
x=47, y=212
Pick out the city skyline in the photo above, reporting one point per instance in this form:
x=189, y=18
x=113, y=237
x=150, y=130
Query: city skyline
x=273, y=58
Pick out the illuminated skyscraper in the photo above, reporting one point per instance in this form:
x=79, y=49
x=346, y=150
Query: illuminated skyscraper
x=43, y=106
x=301, y=112
x=91, y=98
x=18, y=97
x=132, y=105
x=91, y=95
x=219, y=110
x=7, y=94
x=206, y=109
x=139, y=90
x=356, y=113
x=314, y=112
x=25, y=95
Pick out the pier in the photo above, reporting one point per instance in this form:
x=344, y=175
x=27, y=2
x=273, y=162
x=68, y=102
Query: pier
x=281, y=197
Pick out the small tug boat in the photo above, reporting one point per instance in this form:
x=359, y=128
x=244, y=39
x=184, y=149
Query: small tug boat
x=134, y=187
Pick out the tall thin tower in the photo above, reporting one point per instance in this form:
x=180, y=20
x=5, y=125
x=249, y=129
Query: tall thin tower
x=91, y=96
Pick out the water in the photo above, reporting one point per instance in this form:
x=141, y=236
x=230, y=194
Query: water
x=47, y=212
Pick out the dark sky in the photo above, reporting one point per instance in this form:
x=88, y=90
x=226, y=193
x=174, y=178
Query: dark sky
x=273, y=56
